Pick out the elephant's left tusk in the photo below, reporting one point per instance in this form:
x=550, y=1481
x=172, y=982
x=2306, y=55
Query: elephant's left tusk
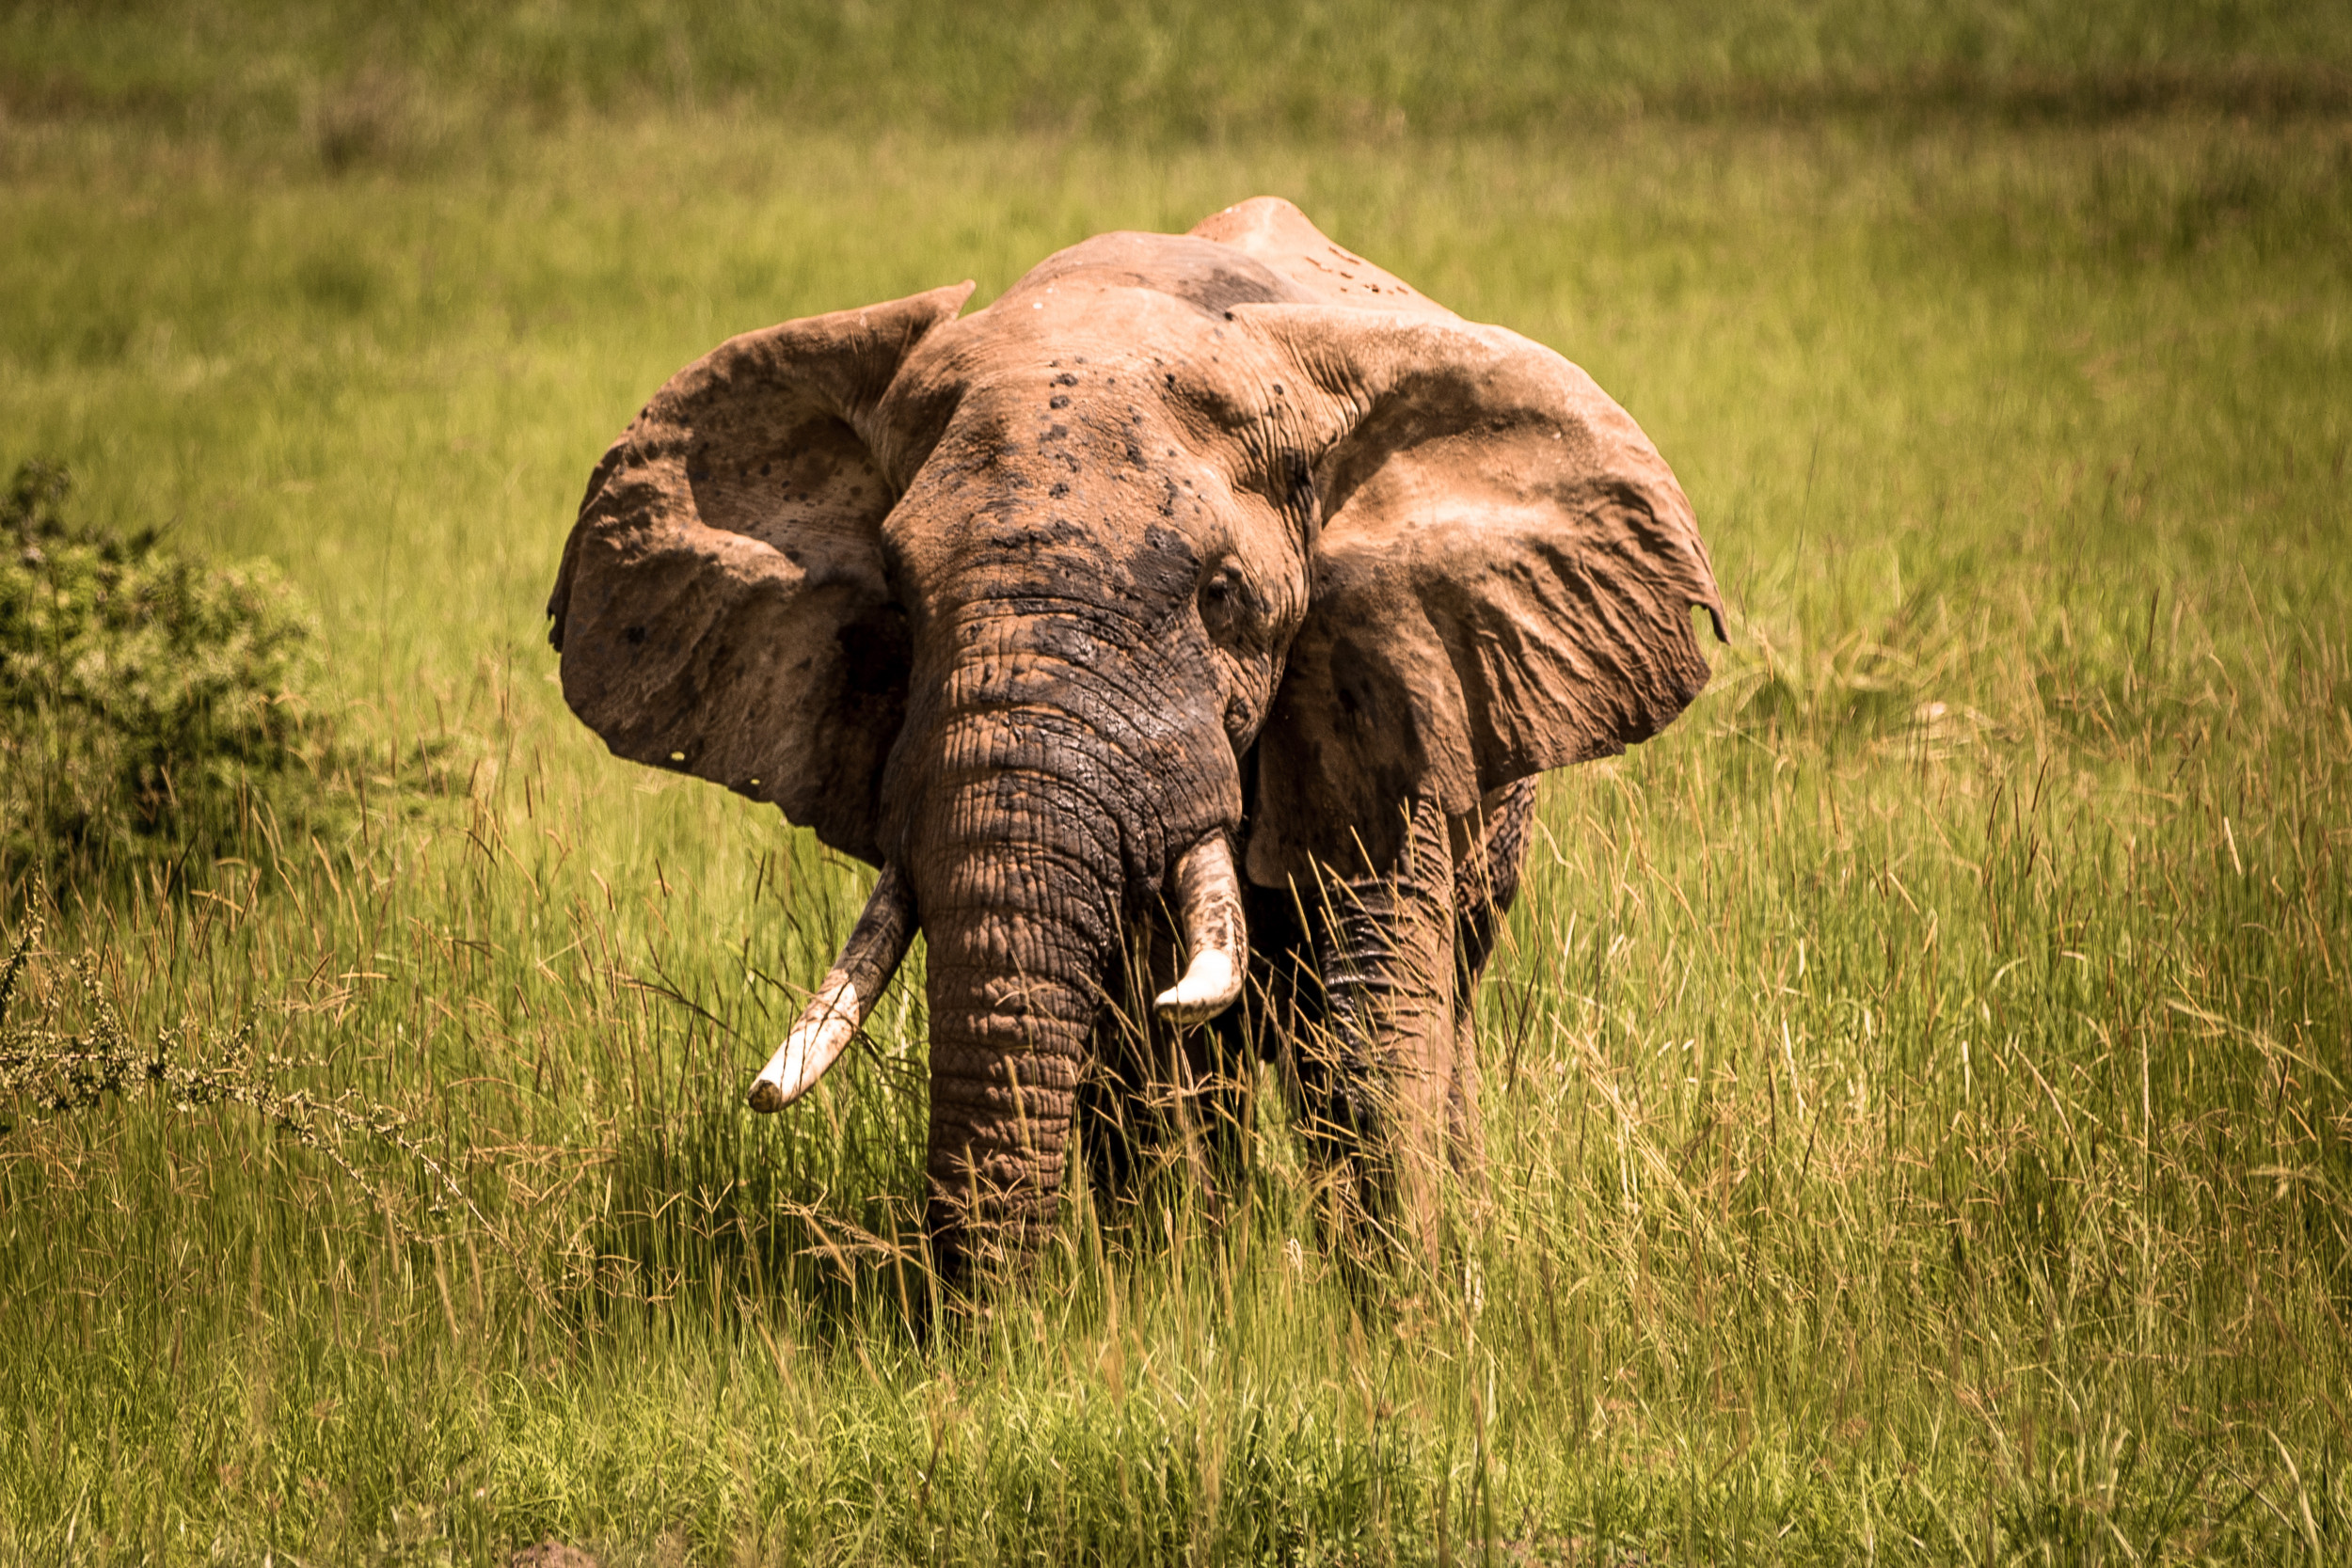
x=851, y=989
x=1209, y=893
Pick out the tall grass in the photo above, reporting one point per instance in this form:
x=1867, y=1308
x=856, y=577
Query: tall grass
x=1917, y=1081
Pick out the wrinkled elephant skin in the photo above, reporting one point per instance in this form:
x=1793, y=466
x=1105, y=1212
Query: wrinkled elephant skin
x=1182, y=635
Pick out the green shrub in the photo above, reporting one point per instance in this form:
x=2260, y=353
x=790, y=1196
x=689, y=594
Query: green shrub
x=150, y=708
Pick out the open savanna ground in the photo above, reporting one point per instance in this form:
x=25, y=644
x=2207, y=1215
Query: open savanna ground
x=1920, y=1083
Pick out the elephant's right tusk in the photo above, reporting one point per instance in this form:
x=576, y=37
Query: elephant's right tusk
x=851, y=989
x=1209, y=893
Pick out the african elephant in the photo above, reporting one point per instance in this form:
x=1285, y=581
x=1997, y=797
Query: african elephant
x=1202, y=586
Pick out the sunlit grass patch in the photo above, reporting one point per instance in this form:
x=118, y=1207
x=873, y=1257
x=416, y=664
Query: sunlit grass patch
x=1917, y=1081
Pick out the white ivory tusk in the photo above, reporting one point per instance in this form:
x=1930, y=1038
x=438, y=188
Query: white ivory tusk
x=1209, y=894
x=847, y=993
x=816, y=1042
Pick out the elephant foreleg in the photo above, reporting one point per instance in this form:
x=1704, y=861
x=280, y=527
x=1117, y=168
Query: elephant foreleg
x=1374, y=1065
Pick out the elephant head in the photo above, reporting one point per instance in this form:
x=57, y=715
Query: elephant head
x=1190, y=556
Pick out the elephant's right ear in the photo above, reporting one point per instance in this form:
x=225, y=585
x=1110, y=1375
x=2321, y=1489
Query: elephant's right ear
x=1501, y=583
x=722, y=608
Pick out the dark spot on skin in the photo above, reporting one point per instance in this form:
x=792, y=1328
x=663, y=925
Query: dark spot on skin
x=1056, y=433
x=1278, y=389
x=1166, y=569
x=1172, y=380
x=1135, y=455
x=1065, y=379
x=764, y=469
x=635, y=635
x=1059, y=402
x=1060, y=490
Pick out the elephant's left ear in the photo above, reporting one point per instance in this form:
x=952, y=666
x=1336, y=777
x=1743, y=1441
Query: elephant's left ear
x=1501, y=583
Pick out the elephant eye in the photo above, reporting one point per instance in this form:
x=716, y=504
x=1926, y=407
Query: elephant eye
x=1225, y=602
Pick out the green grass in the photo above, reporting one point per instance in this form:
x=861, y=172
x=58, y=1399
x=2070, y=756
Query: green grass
x=366, y=84
x=1921, y=1128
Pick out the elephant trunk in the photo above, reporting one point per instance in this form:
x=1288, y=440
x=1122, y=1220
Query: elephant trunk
x=1020, y=914
x=1046, y=781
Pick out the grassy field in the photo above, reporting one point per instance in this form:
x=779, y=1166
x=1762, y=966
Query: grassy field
x=1921, y=1128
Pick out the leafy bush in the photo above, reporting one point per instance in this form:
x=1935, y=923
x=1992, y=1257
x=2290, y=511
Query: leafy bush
x=150, y=713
